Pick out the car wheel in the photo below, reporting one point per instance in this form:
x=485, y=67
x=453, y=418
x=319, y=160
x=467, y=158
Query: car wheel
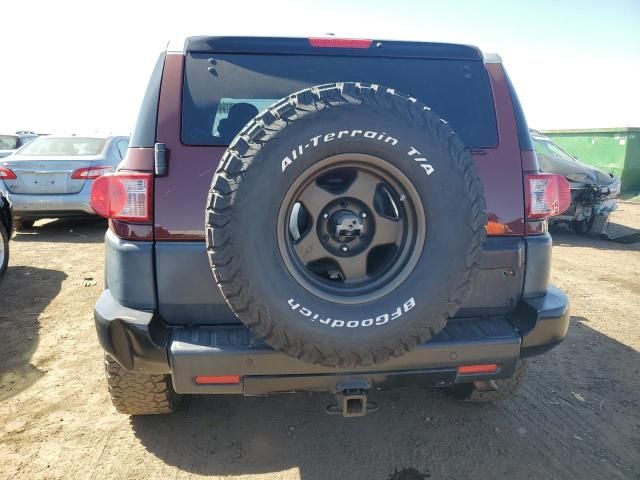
x=139, y=394
x=4, y=249
x=596, y=225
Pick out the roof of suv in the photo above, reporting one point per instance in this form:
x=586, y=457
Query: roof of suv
x=303, y=46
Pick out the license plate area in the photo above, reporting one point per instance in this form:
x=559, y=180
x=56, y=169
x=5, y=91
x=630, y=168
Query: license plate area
x=44, y=180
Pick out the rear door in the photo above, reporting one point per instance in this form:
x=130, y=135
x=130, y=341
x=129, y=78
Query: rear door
x=197, y=120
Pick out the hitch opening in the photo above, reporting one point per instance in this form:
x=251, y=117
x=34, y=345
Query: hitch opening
x=351, y=400
x=354, y=405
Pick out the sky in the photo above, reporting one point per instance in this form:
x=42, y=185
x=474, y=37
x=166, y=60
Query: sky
x=83, y=65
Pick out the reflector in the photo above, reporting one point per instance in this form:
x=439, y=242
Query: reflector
x=217, y=379
x=471, y=369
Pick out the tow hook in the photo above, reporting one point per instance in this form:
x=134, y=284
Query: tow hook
x=351, y=399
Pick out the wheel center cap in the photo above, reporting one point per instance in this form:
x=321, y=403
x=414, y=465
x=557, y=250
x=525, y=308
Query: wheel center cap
x=344, y=226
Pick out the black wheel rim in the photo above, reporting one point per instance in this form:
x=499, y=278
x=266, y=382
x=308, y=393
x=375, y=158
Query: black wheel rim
x=351, y=228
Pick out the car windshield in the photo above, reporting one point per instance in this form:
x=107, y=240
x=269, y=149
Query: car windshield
x=8, y=142
x=222, y=92
x=550, y=150
x=63, y=146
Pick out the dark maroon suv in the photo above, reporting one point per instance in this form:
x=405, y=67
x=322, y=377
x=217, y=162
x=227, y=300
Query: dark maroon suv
x=325, y=214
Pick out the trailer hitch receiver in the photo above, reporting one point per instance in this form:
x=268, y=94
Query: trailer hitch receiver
x=351, y=399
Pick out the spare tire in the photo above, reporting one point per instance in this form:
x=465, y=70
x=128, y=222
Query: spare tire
x=344, y=224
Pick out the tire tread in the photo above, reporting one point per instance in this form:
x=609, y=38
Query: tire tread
x=139, y=394
x=238, y=159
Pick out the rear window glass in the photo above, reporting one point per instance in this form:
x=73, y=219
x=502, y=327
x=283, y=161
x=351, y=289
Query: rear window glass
x=63, y=146
x=223, y=92
x=8, y=142
x=548, y=149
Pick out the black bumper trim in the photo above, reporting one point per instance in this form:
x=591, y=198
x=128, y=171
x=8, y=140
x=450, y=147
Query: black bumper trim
x=136, y=339
x=141, y=342
x=233, y=350
x=542, y=321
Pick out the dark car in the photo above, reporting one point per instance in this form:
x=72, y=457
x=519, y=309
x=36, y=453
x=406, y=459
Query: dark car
x=6, y=226
x=329, y=215
x=593, y=192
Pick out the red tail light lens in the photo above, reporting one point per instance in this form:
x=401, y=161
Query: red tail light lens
x=91, y=172
x=125, y=197
x=332, y=42
x=7, y=174
x=547, y=195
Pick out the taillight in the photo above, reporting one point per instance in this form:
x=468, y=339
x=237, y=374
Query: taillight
x=91, y=172
x=125, y=197
x=7, y=174
x=332, y=42
x=547, y=195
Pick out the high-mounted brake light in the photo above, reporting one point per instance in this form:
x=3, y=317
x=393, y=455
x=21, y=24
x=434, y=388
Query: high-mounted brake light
x=547, y=195
x=7, y=174
x=125, y=197
x=332, y=42
x=90, y=173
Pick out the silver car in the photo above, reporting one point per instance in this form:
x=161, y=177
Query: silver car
x=10, y=143
x=51, y=176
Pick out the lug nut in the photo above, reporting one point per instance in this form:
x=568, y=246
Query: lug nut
x=325, y=215
x=363, y=214
x=344, y=248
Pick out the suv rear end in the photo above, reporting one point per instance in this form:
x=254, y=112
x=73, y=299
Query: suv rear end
x=162, y=316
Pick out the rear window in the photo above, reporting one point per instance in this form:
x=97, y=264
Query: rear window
x=63, y=146
x=8, y=142
x=222, y=92
x=548, y=149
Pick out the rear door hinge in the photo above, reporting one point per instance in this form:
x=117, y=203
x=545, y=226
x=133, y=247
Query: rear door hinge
x=160, y=160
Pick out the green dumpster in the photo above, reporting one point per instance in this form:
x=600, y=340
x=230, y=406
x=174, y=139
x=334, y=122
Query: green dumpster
x=615, y=150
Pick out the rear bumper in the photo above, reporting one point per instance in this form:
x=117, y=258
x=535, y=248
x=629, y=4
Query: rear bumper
x=52, y=205
x=141, y=342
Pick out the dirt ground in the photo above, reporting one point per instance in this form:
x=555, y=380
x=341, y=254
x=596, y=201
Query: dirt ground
x=577, y=418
